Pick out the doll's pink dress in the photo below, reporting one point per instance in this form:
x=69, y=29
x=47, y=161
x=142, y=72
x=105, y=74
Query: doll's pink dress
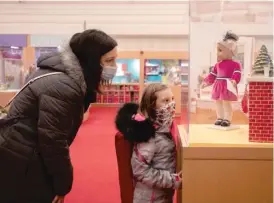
x=226, y=69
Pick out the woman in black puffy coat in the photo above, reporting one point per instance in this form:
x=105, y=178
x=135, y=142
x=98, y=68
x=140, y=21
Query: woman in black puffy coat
x=44, y=118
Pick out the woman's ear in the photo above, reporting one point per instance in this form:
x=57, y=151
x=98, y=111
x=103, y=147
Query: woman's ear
x=101, y=61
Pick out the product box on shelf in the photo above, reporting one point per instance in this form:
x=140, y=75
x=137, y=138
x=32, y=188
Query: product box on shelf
x=119, y=94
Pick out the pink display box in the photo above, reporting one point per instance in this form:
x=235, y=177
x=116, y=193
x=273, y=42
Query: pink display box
x=115, y=99
x=127, y=99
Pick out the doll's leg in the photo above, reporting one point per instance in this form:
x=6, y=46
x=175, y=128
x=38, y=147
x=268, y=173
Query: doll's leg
x=219, y=112
x=228, y=112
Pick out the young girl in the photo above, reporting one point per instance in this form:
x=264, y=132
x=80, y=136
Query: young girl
x=225, y=76
x=153, y=160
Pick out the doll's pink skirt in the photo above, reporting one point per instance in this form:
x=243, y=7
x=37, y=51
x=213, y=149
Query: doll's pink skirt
x=220, y=91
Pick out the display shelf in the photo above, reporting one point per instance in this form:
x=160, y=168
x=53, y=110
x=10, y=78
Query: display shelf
x=184, y=71
x=11, y=64
x=184, y=95
x=128, y=71
x=44, y=50
x=15, y=57
x=128, y=84
x=166, y=70
x=116, y=94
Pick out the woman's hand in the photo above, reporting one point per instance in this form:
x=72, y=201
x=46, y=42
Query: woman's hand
x=58, y=199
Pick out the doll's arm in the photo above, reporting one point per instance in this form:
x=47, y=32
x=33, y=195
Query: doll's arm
x=236, y=76
x=211, y=77
x=143, y=171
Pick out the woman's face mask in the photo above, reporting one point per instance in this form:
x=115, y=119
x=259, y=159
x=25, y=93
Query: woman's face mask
x=108, y=72
x=108, y=62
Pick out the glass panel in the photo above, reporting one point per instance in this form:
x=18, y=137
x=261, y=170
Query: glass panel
x=210, y=20
x=10, y=68
x=184, y=71
x=119, y=93
x=128, y=71
x=174, y=72
x=171, y=71
x=44, y=50
x=125, y=85
x=240, y=58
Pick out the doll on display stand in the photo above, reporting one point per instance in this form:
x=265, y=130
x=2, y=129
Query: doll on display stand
x=225, y=76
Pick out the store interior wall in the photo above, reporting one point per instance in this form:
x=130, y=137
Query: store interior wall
x=264, y=40
x=115, y=18
x=154, y=25
x=126, y=43
x=146, y=26
x=154, y=43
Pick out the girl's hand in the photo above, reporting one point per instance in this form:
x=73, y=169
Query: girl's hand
x=180, y=174
x=179, y=181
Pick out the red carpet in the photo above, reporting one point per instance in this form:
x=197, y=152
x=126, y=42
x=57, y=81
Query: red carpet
x=94, y=160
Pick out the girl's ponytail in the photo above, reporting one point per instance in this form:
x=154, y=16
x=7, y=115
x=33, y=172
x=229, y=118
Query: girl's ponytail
x=135, y=127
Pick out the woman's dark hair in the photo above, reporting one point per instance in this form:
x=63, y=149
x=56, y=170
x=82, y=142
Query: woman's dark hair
x=89, y=46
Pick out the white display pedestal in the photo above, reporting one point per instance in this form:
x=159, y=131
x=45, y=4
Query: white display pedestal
x=231, y=127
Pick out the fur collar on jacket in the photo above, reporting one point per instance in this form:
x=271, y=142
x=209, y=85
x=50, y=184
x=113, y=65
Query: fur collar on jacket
x=73, y=68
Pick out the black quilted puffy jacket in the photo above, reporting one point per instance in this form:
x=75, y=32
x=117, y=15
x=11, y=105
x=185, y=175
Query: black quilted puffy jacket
x=35, y=162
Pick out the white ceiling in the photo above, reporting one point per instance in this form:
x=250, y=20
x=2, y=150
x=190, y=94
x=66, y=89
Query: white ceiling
x=133, y=17
x=231, y=12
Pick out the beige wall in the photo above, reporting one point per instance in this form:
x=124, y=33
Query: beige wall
x=116, y=18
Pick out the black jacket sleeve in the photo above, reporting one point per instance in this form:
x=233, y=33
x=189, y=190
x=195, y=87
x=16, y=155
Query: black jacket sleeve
x=58, y=106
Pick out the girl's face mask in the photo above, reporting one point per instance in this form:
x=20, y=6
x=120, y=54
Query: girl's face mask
x=165, y=114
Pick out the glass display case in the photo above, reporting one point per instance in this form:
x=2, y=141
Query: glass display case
x=137, y=69
x=11, y=68
x=184, y=71
x=43, y=50
x=119, y=93
x=171, y=71
x=128, y=71
x=125, y=84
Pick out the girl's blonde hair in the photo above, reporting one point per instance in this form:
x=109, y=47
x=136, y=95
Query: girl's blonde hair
x=149, y=98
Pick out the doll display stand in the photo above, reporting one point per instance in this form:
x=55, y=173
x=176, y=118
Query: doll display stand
x=231, y=127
